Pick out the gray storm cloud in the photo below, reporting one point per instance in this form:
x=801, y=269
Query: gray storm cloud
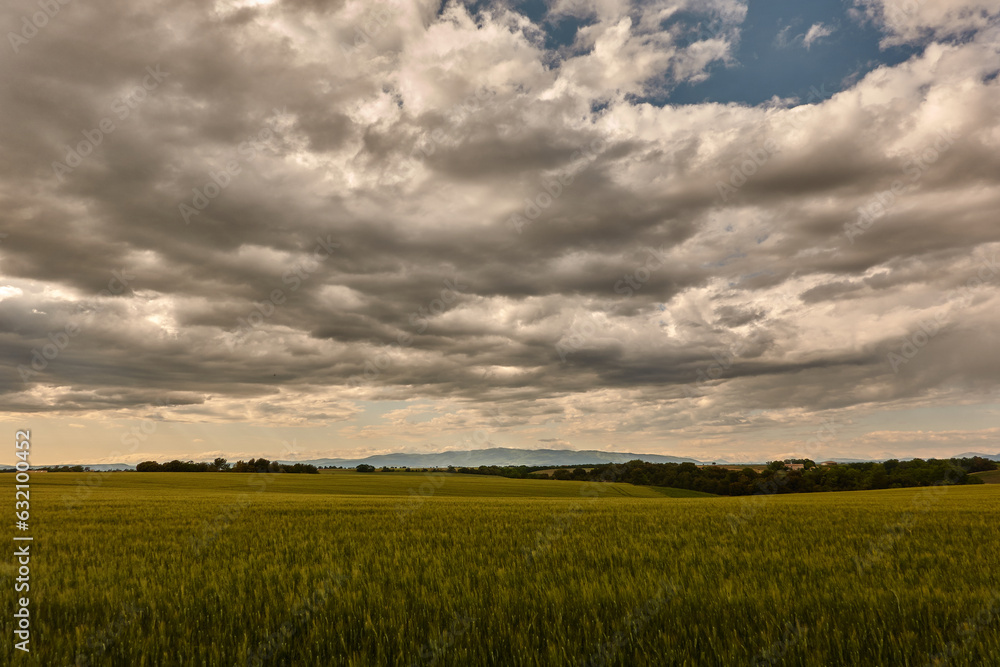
x=310, y=204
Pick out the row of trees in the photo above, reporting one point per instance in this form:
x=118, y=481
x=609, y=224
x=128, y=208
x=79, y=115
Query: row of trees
x=517, y=472
x=221, y=465
x=776, y=478
x=364, y=467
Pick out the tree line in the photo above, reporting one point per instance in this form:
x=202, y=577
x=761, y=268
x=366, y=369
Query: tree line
x=221, y=465
x=777, y=477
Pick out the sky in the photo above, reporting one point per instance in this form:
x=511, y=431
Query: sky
x=301, y=229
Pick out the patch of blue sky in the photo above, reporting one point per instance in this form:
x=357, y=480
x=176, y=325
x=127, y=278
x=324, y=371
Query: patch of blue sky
x=806, y=51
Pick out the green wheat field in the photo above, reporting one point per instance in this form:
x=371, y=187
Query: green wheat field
x=346, y=568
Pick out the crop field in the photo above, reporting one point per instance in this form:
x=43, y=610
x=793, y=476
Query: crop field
x=346, y=568
x=989, y=476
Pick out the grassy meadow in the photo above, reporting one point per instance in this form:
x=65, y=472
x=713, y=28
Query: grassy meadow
x=989, y=476
x=346, y=568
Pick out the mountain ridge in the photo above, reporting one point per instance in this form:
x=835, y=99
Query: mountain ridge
x=505, y=456
x=499, y=456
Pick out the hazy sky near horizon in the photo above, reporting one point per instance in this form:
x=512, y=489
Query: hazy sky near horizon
x=299, y=228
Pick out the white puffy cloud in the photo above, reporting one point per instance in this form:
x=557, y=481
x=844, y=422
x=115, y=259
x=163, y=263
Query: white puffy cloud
x=923, y=20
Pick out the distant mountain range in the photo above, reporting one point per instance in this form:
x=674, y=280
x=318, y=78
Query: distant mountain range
x=969, y=455
x=496, y=456
x=93, y=466
x=507, y=456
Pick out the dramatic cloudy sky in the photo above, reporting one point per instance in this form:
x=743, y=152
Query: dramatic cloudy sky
x=300, y=228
